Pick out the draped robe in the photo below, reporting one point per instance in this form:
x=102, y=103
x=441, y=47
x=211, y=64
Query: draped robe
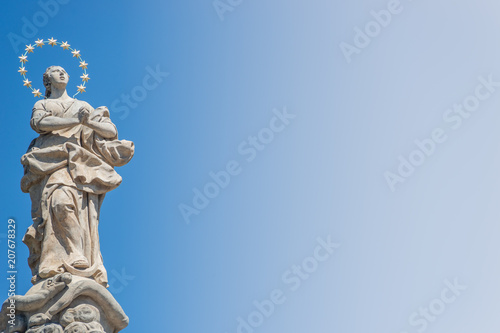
x=67, y=173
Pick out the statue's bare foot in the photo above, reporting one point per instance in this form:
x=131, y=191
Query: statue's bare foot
x=80, y=263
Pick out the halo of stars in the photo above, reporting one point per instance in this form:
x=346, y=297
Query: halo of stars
x=52, y=42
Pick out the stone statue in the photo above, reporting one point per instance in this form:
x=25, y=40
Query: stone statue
x=68, y=169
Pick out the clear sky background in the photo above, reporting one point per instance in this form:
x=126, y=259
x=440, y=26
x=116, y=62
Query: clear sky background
x=415, y=249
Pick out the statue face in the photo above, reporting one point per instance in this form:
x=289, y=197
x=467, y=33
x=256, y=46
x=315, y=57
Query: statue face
x=58, y=76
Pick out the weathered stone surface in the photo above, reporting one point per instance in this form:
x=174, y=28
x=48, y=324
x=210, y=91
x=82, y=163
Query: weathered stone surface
x=68, y=170
x=65, y=301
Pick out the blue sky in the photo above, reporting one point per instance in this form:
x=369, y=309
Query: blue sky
x=279, y=159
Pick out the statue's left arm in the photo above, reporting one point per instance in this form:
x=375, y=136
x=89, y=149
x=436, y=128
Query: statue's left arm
x=106, y=129
x=100, y=136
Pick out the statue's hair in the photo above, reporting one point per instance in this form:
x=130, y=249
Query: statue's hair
x=46, y=82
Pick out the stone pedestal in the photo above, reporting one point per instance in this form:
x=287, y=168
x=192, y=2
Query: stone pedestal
x=63, y=304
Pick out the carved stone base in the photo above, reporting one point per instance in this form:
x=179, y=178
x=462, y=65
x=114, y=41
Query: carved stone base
x=63, y=304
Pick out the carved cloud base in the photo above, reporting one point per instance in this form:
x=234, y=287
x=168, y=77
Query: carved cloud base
x=63, y=304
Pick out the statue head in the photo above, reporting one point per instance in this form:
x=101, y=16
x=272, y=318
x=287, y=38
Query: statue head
x=54, y=76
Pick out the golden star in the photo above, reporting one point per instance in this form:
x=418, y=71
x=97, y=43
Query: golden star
x=52, y=42
x=37, y=92
x=39, y=43
x=22, y=70
x=23, y=59
x=29, y=48
x=83, y=64
x=85, y=77
x=76, y=53
x=81, y=88
x=27, y=83
x=65, y=45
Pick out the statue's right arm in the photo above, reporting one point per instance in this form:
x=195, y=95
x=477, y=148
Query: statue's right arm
x=42, y=120
x=49, y=124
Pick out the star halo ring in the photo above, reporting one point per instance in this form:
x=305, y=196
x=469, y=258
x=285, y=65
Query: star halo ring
x=52, y=42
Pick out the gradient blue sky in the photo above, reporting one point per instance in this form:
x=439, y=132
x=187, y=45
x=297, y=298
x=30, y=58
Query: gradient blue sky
x=322, y=175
